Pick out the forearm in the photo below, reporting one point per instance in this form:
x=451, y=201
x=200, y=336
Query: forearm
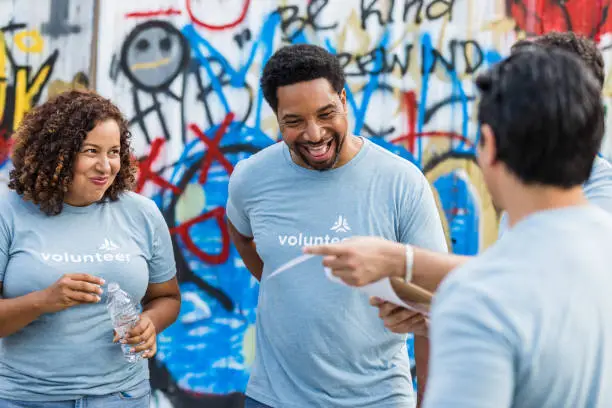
x=430, y=268
x=162, y=311
x=17, y=313
x=421, y=356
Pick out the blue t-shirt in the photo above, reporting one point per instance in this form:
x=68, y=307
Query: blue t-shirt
x=598, y=190
x=69, y=354
x=319, y=343
x=527, y=323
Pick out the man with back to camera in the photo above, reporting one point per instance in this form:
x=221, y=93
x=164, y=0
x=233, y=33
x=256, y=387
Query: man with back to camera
x=320, y=343
x=525, y=324
x=372, y=256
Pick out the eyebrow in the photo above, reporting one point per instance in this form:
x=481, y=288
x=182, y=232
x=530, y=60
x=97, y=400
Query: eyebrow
x=96, y=146
x=290, y=116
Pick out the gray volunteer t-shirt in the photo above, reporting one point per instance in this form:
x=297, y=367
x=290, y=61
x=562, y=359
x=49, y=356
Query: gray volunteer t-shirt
x=319, y=343
x=69, y=354
x=527, y=323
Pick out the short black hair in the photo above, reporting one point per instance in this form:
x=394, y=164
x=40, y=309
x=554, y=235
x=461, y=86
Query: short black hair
x=545, y=108
x=583, y=47
x=299, y=63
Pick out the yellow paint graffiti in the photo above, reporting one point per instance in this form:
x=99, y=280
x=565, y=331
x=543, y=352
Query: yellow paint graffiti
x=25, y=95
x=25, y=89
x=29, y=41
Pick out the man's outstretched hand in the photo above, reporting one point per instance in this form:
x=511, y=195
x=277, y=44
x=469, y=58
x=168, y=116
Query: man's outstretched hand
x=362, y=260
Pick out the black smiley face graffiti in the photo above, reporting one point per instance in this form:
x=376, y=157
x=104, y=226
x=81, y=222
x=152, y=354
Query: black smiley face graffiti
x=153, y=54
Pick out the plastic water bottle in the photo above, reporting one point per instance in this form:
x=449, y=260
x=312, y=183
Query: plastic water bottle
x=124, y=314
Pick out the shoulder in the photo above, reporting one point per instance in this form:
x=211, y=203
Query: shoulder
x=256, y=170
x=12, y=205
x=485, y=295
x=260, y=161
x=137, y=202
x=8, y=207
x=139, y=209
x=8, y=199
x=391, y=162
x=395, y=173
x=493, y=275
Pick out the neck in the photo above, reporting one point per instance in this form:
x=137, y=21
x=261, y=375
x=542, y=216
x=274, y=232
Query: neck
x=522, y=201
x=352, y=145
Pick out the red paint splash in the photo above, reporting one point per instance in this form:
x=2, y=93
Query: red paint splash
x=154, y=13
x=587, y=17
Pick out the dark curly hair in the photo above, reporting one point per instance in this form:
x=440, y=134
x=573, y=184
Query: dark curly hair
x=48, y=140
x=581, y=46
x=299, y=63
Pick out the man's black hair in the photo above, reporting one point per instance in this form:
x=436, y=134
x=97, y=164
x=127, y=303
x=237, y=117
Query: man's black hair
x=299, y=63
x=544, y=106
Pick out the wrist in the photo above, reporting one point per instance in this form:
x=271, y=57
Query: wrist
x=38, y=300
x=397, y=258
x=409, y=262
x=147, y=314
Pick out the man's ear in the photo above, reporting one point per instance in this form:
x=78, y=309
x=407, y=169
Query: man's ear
x=487, y=148
x=343, y=99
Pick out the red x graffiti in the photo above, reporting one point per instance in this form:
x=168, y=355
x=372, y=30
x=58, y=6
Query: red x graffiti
x=146, y=174
x=218, y=214
x=213, y=148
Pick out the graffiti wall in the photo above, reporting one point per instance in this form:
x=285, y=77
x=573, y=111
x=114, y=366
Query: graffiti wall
x=186, y=73
x=45, y=47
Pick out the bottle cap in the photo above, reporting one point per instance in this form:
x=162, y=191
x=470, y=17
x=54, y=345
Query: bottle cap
x=113, y=287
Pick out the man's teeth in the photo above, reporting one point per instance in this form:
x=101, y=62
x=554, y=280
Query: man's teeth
x=317, y=150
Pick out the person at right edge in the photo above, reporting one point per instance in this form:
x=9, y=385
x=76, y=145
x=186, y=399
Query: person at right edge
x=526, y=323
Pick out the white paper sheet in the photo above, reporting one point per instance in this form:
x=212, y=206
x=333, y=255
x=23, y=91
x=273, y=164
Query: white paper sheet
x=381, y=289
x=290, y=264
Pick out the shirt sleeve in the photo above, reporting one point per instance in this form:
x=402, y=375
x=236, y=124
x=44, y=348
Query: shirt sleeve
x=236, y=208
x=420, y=223
x=5, y=244
x=162, y=266
x=472, y=358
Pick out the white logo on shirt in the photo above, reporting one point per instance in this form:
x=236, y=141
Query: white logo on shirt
x=109, y=249
x=108, y=245
x=341, y=225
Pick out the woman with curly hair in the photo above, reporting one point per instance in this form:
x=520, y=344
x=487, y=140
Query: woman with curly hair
x=68, y=225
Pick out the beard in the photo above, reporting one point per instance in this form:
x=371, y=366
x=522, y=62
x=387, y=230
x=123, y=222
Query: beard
x=335, y=146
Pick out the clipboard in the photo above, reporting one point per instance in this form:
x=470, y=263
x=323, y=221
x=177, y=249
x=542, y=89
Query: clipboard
x=412, y=295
